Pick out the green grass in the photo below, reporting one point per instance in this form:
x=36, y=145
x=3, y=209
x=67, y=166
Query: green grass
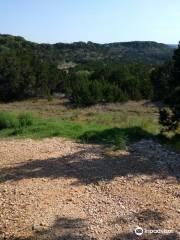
x=8, y=120
x=28, y=125
x=25, y=120
x=32, y=126
x=113, y=124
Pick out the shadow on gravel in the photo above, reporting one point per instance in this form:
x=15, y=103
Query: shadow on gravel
x=132, y=236
x=150, y=216
x=149, y=220
x=62, y=229
x=76, y=229
x=91, y=165
x=174, y=141
x=144, y=217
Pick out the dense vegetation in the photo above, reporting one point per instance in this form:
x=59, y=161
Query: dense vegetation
x=29, y=70
x=89, y=73
x=166, y=82
x=110, y=83
x=81, y=52
x=24, y=75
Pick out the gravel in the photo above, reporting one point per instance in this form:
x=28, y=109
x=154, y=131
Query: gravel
x=58, y=189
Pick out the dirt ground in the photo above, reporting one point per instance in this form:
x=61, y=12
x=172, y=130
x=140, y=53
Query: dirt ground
x=56, y=189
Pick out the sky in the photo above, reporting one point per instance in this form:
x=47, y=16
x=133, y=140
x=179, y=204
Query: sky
x=101, y=21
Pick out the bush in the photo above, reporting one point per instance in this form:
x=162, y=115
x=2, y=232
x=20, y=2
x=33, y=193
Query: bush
x=166, y=81
x=25, y=120
x=8, y=120
x=121, y=142
x=168, y=119
x=111, y=83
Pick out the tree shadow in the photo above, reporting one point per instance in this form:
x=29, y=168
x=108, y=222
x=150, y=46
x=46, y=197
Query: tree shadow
x=150, y=216
x=157, y=104
x=173, y=142
x=76, y=229
x=133, y=236
x=62, y=229
x=146, y=217
x=90, y=165
x=110, y=136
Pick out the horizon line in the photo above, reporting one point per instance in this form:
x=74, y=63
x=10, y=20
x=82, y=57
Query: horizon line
x=101, y=43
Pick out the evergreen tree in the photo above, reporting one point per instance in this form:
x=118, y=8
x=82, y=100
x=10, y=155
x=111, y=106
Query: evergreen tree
x=169, y=91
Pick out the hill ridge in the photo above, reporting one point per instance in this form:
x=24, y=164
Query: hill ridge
x=149, y=52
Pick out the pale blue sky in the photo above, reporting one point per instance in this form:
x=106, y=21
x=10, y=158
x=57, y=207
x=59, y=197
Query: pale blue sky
x=91, y=20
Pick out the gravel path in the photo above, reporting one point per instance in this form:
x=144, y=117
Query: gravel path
x=56, y=189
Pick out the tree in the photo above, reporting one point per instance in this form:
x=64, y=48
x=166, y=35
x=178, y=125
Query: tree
x=161, y=78
x=170, y=92
x=79, y=89
x=24, y=75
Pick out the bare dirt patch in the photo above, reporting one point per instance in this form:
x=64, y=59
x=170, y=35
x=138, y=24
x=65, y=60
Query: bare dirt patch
x=58, y=189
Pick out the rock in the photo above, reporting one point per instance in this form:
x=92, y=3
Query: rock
x=178, y=210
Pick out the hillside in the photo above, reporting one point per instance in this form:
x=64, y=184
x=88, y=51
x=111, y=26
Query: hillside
x=81, y=52
x=173, y=45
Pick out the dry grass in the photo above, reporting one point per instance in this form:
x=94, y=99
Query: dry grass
x=111, y=114
x=143, y=115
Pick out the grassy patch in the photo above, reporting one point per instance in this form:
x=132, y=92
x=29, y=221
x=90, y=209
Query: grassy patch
x=116, y=136
x=8, y=120
x=25, y=119
x=29, y=126
x=113, y=124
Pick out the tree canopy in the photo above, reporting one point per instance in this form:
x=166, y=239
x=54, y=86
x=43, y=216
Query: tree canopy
x=166, y=81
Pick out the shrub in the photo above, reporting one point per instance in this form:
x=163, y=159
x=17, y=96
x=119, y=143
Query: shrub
x=8, y=120
x=121, y=142
x=167, y=119
x=167, y=85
